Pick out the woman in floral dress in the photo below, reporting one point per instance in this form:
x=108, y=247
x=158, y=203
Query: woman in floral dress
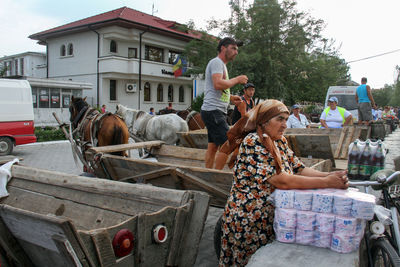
x=264, y=163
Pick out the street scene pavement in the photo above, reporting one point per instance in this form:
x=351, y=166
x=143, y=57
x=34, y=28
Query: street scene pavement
x=57, y=156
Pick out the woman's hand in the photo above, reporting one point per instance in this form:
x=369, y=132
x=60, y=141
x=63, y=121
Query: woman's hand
x=338, y=180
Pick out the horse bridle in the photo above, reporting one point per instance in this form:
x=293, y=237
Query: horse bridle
x=79, y=116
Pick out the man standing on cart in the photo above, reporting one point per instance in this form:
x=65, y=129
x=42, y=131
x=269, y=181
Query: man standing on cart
x=217, y=97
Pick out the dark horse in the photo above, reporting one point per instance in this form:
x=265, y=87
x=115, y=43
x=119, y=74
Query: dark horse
x=95, y=129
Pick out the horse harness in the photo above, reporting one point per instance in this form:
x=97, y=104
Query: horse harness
x=92, y=117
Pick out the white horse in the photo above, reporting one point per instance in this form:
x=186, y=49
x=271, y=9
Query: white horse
x=153, y=127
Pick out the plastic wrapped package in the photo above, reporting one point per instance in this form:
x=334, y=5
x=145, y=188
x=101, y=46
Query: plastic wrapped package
x=325, y=222
x=345, y=225
x=285, y=218
x=285, y=235
x=341, y=232
x=322, y=240
x=284, y=199
x=322, y=202
x=343, y=243
x=305, y=237
x=303, y=199
x=305, y=220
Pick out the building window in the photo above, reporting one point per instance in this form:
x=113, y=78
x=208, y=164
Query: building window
x=66, y=98
x=62, y=51
x=160, y=92
x=34, y=97
x=113, y=46
x=181, y=94
x=21, y=63
x=147, y=96
x=132, y=52
x=170, y=93
x=43, y=98
x=55, y=98
x=113, y=90
x=70, y=49
x=153, y=53
x=172, y=56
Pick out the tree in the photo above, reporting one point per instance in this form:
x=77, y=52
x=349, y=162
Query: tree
x=383, y=96
x=284, y=54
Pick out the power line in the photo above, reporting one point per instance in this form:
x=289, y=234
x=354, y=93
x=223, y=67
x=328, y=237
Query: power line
x=390, y=52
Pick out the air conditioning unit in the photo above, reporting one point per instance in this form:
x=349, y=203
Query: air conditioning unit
x=131, y=87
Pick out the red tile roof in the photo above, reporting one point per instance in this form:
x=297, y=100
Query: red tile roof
x=123, y=15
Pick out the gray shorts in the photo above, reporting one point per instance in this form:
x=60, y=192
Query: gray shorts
x=217, y=127
x=364, y=111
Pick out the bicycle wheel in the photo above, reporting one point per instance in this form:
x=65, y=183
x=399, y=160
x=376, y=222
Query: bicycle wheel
x=384, y=255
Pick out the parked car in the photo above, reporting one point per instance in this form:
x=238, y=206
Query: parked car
x=16, y=115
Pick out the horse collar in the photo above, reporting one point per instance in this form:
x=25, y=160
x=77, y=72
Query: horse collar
x=79, y=116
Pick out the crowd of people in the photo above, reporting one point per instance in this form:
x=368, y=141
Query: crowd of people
x=262, y=161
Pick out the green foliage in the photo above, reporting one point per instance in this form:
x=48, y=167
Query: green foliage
x=44, y=134
x=284, y=53
x=197, y=102
x=383, y=96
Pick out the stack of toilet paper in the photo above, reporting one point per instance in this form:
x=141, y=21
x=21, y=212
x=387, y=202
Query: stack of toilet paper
x=328, y=218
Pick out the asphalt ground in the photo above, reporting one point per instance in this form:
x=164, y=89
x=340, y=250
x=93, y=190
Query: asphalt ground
x=57, y=156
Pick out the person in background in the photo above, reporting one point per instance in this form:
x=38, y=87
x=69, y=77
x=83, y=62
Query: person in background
x=296, y=119
x=103, y=109
x=152, y=111
x=246, y=105
x=374, y=114
x=334, y=116
x=217, y=96
x=388, y=114
x=379, y=113
x=169, y=107
x=265, y=162
x=365, y=102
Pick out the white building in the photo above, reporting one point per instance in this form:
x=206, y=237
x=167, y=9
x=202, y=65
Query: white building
x=28, y=64
x=104, y=50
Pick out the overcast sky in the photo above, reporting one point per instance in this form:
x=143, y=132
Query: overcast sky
x=361, y=28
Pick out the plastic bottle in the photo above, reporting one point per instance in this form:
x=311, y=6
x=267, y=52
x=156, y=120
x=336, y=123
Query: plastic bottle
x=364, y=170
x=352, y=167
x=378, y=159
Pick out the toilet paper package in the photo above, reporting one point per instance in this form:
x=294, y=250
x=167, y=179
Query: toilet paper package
x=326, y=218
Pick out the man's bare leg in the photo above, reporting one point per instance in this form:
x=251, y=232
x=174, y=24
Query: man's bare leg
x=220, y=160
x=210, y=155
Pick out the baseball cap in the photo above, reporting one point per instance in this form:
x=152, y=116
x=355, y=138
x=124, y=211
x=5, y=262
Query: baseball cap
x=227, y=41
x=333, y=99
x=247, y=85
x=295, y=106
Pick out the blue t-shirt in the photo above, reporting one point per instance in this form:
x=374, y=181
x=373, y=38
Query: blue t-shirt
x=362, y=94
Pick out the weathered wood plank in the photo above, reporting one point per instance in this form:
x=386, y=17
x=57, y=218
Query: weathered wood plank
x=40, y=230
x=116, y=148
x=208, y=187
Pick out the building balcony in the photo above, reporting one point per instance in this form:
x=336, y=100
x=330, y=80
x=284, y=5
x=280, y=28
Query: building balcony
x=114, y=64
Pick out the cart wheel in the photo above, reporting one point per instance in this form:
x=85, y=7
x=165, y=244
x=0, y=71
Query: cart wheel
x=6, y=146
x=217, y=236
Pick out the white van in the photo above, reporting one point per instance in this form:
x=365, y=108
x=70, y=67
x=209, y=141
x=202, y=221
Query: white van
x=346, y=96
x=16, y=115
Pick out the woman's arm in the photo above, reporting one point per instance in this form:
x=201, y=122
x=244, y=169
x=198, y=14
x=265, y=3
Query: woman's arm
x=323, y=123
x=289, y=181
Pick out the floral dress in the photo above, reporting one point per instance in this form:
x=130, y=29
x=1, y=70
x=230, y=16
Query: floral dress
x=248, y=218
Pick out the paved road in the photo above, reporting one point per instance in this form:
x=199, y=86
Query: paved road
x=57, y=156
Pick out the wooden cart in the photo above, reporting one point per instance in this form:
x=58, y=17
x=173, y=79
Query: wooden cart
x=54, y=219
x=171, y=167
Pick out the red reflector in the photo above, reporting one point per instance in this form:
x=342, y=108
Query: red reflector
x=122, y=243
x=160, y=233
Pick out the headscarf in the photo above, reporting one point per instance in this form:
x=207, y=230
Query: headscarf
x=252, y=121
